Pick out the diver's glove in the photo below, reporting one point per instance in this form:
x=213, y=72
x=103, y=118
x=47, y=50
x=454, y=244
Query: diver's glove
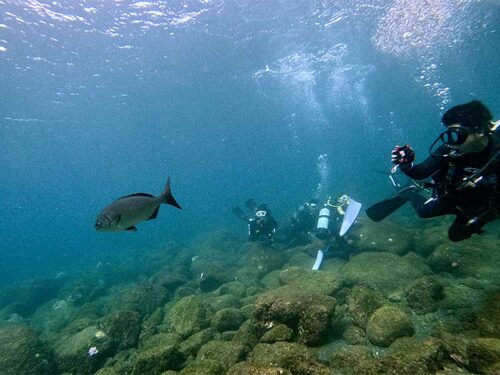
x=403, y=156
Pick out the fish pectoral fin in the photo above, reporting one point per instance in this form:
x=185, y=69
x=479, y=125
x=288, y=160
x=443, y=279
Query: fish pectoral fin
x=116, y=219
x=132, y=229
x=155, y=213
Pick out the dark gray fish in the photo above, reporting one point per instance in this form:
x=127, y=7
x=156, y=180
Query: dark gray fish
x=126, y=212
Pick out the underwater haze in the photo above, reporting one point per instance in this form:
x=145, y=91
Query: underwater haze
x=278, y=100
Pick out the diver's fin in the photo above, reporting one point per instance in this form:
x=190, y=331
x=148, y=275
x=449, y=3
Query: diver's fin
x=381, y=210
x=319, y=259
x=169, y=198
x=132, y=229
x=250, y=204
x=351, y=213
x=155, y=213
x=238, y=212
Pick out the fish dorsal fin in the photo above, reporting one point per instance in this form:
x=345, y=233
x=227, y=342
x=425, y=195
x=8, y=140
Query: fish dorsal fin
x=137, y=195
x=155, y=214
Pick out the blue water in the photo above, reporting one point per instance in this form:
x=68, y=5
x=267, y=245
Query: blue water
x=232, y=99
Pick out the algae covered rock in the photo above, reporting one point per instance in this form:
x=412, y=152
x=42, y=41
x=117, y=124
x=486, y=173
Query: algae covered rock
x=317, y=282
x=188, y=316
x=234, y=288
x=203, y=367
x=382, y=236
x=161, y=339
x=261, y=257
x=249, y=333
x=308, y=314
x=361, y=304
x=157, y=359
x=408, y=355
x=21, y=352
x=478, y=257
x=488, y=318
x=122, y=328
x=388, y=324
x=383, y=272
x=192, y=344
x=484, y=355
x=224, y=353
x=354, y=359
x=280, y=332
x=294, y=357
x=223, y=301
x=246, y=368
x=422, y=294
x=142, y=298
x=228, y=319
x=70, y=349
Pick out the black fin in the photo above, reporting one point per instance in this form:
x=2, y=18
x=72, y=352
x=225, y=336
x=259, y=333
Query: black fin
x=155, y=213
x=239, y=213
x=132, y=229
x=381, y=210
x=250, y=204
x=169, y=198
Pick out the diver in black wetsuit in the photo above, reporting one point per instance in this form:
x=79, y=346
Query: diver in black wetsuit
x=465, y=171
x=298, y=230
x=262, y=225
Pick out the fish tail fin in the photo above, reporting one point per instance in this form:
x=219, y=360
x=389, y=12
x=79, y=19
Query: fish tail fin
x=168, y=197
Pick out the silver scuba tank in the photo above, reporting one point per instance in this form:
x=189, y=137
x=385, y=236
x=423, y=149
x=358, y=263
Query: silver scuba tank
x=322, y=230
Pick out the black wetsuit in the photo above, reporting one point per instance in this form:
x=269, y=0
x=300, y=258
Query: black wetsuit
x=262, y=229
x=478, y=205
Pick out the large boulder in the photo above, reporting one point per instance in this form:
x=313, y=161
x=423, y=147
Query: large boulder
x=246, y=368
x=423, y=293
x=261, y=257
x=228, y=319
x=385, y=273
x=488, y=318
x=143, y=298
x=308, y=314
x=157, y=359
x=71, y=349
x=381, y=236
x=122, y=328
x=317, y=282
x=361, y=304
x=224, y=353
x=478, y=257
x=188, y=316
x=388, y=324
x=484, y=355
x=21, y=352
x=192, y=344
x=409, y=355
x=280, y=332
x=293, y=357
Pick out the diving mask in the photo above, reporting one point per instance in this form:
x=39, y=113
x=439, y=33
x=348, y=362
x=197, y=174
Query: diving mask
x=260, y=214
x=454, y=136
x=343, y=199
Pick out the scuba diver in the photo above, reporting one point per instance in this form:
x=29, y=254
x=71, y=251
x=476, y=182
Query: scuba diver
x=335, y=219
x=302, y=223
x=261, y=224
x=464, y=169
x=331, y=216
